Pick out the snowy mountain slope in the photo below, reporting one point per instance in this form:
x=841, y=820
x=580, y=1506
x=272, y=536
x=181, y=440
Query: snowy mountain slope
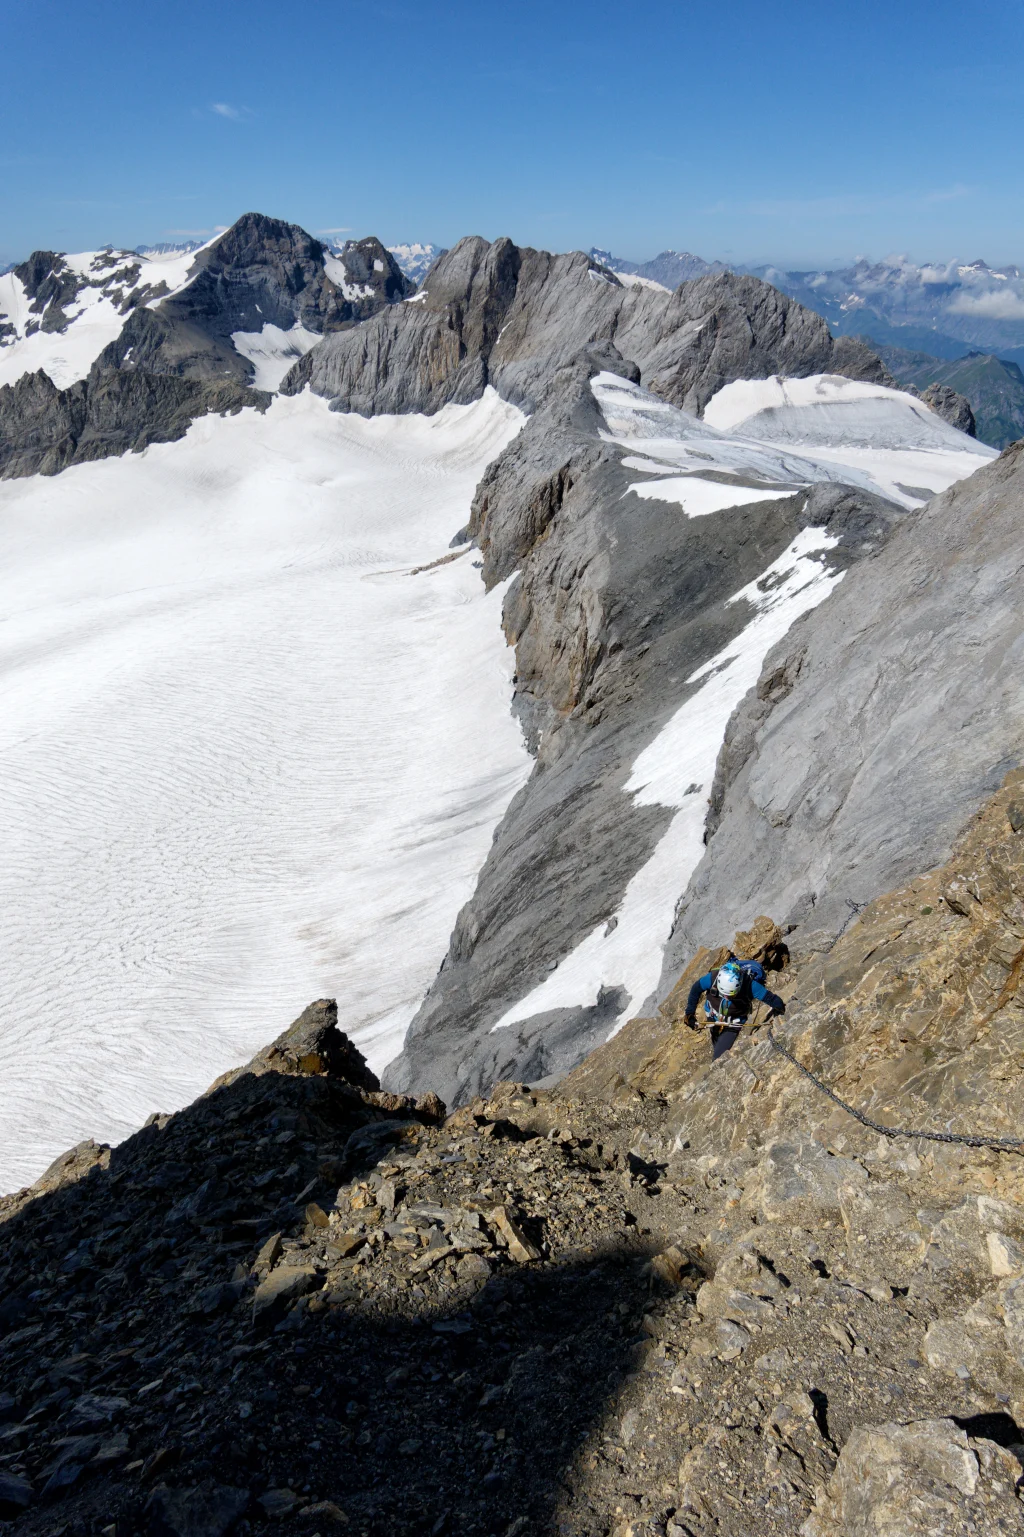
x=798, y=431
x=136, y=364
x=247, y=753
x=674, y=557
x=58, y=312
x=261, y=273
x=262, y=756
x=994, y=388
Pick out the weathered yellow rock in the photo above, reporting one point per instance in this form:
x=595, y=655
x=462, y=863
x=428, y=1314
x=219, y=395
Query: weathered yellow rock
x=519, y=1246
x=916, y=1017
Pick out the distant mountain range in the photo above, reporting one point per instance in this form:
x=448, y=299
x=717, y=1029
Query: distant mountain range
x=416, y=259
x=946, y=309
x=668, y=269
x=994, y=386
x=957, y=324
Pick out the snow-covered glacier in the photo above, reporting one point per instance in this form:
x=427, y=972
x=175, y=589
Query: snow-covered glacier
x=254, y=746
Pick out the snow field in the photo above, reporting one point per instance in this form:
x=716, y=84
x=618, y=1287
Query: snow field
x=248, y=759
x=698, y=498
x=272, y=351
x=795, y=431
x=745, y=398
x=338, y=274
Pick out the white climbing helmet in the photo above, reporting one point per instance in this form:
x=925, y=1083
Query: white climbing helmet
x=729, y=980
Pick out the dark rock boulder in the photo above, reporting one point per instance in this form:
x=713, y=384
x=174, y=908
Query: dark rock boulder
x=953, y=408
x=213, y=1511
x=312, y=1044
x=16, y=1495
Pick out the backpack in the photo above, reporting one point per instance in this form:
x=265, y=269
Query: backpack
x=720, y=1010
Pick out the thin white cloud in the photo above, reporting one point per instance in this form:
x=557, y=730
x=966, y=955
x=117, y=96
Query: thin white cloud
x=342, y=229
x=233, y=114
x=948, y=194
x=999, y=304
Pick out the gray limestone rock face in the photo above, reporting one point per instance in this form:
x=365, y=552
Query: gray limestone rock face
x=878, y=726
x=511, y=317
x=801, y=1182
x=617, y=602
x=923, y=1479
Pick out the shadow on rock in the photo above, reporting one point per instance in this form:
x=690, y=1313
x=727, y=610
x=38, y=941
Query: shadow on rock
x=406, y=1374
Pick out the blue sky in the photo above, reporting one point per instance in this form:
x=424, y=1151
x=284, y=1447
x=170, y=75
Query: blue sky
x=793, y=132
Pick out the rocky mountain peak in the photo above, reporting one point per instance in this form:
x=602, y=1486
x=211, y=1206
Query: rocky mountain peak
x=51, y=285
x=371, y=265
x=256, y=238
x=242, y=309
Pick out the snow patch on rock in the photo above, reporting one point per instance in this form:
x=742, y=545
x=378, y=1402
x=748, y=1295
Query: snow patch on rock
x=272, y=351
x=676, y=770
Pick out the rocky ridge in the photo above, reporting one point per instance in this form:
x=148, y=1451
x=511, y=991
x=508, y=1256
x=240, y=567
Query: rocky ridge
x=617, y=603
x=665, y=1300
x=509, y=316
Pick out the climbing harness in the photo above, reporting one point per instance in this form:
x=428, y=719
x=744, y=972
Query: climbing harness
x=1006, y=1144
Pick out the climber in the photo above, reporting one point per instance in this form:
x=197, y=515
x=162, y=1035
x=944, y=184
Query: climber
x=731, y=992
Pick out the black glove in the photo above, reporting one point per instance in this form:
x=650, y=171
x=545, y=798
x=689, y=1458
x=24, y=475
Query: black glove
x=691, y=1020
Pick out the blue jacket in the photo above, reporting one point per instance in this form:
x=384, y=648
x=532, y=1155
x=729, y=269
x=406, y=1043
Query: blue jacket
x=750, y=993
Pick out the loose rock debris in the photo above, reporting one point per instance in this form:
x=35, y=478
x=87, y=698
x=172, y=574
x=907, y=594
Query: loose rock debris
x=304, y=1305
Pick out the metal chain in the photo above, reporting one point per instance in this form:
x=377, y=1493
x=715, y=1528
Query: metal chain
x=1004, y=1143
